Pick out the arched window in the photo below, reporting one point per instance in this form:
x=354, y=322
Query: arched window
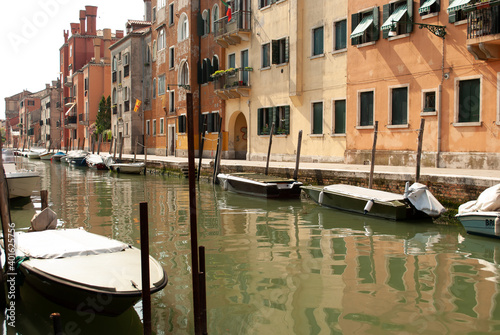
x=184, y=74
x=206, y=22
x=183, y=32
x=215, y=16
x=115, y=63
x=113, y=98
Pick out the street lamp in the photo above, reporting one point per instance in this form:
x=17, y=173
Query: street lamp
x=439, y=31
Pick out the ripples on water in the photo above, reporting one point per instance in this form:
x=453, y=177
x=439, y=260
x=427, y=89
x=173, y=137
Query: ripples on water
x=279, y=267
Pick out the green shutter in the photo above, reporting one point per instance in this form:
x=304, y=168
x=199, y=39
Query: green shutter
x=199, y=24
x=287, y=46
x=259, y=121
x=275, y=51
x=468, y=100
x=210, y=70
x=399, y=106
x=376, y=25
x=366, y=109
x=386, y=12
x=340, y=117
x=355, y=18
x=274, y=118
x=287, y=119
x=318, y=118
x=409, y=12
x=208, y=21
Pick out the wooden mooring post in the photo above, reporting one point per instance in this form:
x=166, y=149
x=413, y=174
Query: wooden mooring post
x=297, y=159
x=269, y=149
x=374, y=149
x=146, y=289
x=419, y=149
x=44, y=198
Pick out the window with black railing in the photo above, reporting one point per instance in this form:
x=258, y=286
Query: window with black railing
x=483, y=21
x=240, y=20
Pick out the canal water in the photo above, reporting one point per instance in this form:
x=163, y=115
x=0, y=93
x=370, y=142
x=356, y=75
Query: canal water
x=273, y=267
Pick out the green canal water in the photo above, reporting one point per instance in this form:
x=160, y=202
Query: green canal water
x=274, y=267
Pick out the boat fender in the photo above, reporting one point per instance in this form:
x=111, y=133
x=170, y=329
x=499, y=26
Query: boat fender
x=368, y=206
x=226, y=187
x=320, y=198
x=407, y=190
x=497, y=226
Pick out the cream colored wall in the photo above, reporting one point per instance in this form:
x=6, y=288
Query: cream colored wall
x=298, y=83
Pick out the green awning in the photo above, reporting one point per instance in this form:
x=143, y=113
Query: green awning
x=426, y=5
x=395, y=17
x=456, y=5
x=361, y=27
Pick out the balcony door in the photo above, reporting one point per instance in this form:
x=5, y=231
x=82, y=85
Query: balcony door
x=244, y=63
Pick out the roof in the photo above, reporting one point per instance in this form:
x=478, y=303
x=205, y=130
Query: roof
x=138, y=22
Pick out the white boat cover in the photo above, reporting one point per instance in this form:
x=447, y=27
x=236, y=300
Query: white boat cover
x=488, y=201
x=65, y=243
x=423, y=200
x=363, y=192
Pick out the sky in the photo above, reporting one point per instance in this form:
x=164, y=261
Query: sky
x=32, y=34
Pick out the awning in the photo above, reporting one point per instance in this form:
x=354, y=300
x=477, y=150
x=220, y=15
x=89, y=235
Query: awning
x=361, y=27
x=456, y=5
x=395, y=17
x=69, y=110
x=426, y=5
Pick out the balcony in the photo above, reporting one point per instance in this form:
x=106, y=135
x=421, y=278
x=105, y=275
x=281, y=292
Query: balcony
x=232, y=85
x=233, y=32
x=483, y=29
x=70, y=122
x=69, y=101
x=68, y=81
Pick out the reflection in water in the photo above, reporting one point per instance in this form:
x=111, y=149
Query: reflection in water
x=286, y=267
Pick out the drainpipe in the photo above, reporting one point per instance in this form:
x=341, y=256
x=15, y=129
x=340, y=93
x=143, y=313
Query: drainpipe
x=249, y=138
x=439, y=116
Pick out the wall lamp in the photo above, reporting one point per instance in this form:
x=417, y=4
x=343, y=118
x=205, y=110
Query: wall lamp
x=439, y=31
x=186, y=87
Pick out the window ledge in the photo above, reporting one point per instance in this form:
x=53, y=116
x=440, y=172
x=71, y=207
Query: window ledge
x=365, y=44
x=316, y=135
x=428, y=16
x=428, y=113
x=265, y=68
x=398, y=37
x=459, y=23
x=340, y=51
x=338, y=135
x=364, y=127
x=467, y=124
x=317, y=56
x=281, y=64
x=398, y=126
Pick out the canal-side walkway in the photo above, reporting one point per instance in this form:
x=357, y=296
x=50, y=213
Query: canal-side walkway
x=455, y=185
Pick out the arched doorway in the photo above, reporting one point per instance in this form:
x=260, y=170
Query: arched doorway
x=238, y=136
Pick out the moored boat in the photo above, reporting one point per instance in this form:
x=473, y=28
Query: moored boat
x=95, y=162
x=77, y=157
x=57, y=156
x=21, y=182
x=260, y=185
x=47, y=155
x=417, y=202
x=124, y=167
x=482, y=216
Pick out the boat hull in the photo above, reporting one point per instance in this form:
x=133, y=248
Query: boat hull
x=22, y=184
x=397, y=209
x=481, y=223
x=133, y=168
x=260, y=185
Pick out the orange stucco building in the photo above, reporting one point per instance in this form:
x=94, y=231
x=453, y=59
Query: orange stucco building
x=398, y=75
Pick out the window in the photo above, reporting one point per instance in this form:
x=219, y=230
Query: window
x=184, y=78
x=161, y=4
x=161, y=39
x=162, y=129
x=206, y=22
x=183, y=32
x=397, y=17
x=215, y=16
x=429, y=6
x=469, y=94
x=366, y=27
x=231, y=61
x=317, y=118
x=171, y=14
x=154, y=88
x=317, y=41
x=115, y=63
x=154, y=51
x=154, y=14
x=339, y=117
x=126, y=128
x=31, y=103
x=181, y=123
x=399, y=106
x=161, y=85
x=147, y=55
x=340, y=34
x=154, y=127
x=265, y=3
x=282, y=120
x=280, y=51
x=429, y=101
x=113, y=96
x=126, y=94
x=366, y=108
x=171, y=60
x=212, y=120
x=455, y=13
x=266, y=61
x=171, y=101
x=264, y=121
x=148, y=122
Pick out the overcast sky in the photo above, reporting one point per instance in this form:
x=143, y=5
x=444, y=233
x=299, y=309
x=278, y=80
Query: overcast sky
x=32, y=33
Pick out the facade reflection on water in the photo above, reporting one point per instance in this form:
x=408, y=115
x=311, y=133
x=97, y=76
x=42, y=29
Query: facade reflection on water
x=288, y=267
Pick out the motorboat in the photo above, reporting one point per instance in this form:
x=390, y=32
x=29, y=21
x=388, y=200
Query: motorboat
x=21, y=181
x=72, y=267
x=482, y=216
x=46, y=155
x=260, y=185
x=34, y=153
x=95, y=162
x=416, y=202
x=57, y=156
x=125, y=167
x=77, y=157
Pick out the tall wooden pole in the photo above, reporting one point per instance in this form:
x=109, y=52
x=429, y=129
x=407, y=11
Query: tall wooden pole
x=419, y=149
x=269, y=149
x=146, y=289
x=374, y=149
x=6, y=229
x=297, y=159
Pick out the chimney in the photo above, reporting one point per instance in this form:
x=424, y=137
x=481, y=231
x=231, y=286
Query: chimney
x=147, y=10
x=107, y=44
x=82, y=22
x=75, y=28
x=97, y=50
x=47, y=86
x=66, y=34
x=91, y=13
x=119, y=34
